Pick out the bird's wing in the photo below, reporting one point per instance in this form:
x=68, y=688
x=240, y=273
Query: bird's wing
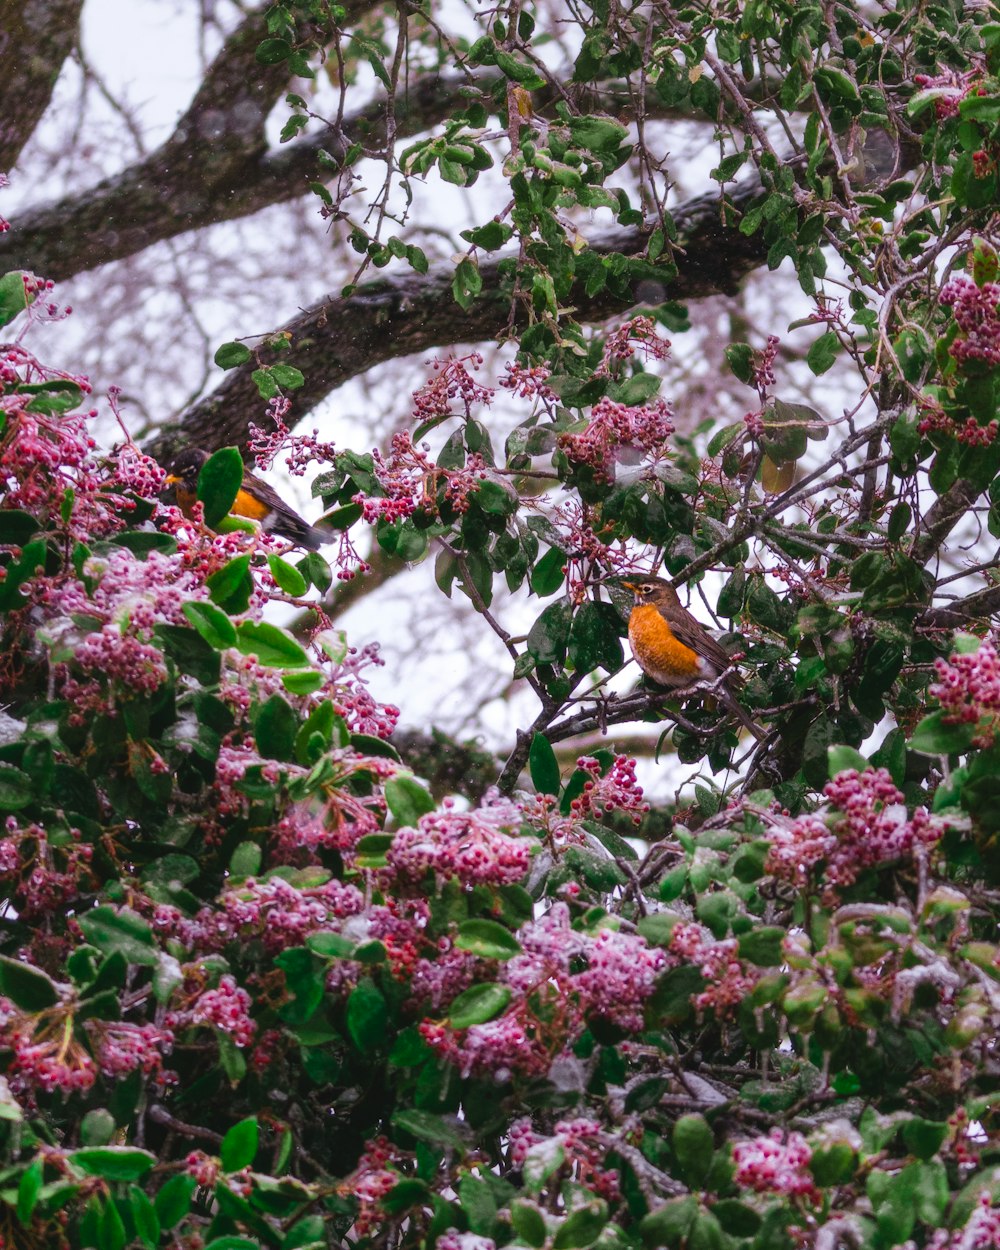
x=690, y=631
x=267, y=495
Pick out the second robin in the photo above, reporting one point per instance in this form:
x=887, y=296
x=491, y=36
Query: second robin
x=674, y=649
x=255, y=500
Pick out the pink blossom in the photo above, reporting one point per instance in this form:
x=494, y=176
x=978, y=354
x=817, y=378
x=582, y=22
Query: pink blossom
x=975, y=309
x=775, y=1164
x=981, y=1230
x=227, y=1009
x=865, y=824
x=477, y=847
x=968, y=689
x=617, y=791
x=612, y=425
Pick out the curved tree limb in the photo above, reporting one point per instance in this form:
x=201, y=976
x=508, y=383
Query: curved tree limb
x=339, y=338
x=36, y=36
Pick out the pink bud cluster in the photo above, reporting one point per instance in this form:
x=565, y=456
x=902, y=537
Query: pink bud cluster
x=975, y=309
x=47, y=1054
x=226, y=1008
x=776, y=1164
x=729, y=980
x=617, y=791
x=969, y=431
x=281, y=914
x=953, y=86
x=39, y=877
x=477, y=847
x=122, y=1048
x=639, y=334
x=371, y=1182
x=454, y=1240
x=528, y=383
x=612, y=426
x=562, y=977
x=452, y=381
x=865, y=824
x=968, y=689
x=981, y=1230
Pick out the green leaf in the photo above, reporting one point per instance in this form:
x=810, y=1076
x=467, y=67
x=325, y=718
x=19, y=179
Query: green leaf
x=273, y=51
x=583, y=1226
x=528, y=1222
x=16, y=788
x=229, y=355
x=762, y=946
x=173, y=1200
x=694, y=1147
x=273, y=647
x=467, y=282
x=239, y=1146
x=27, y=987
x=594, y=638
x=739, y=358
x=219, y=482
x=487, y=939
x=276, y=728
x=844, y=759
x=367, y=1015
x=548, y=574
x=543, y=765
x=13, y=296
x=407, y=799
x=147, y=1224
x=426, y=1126
x=548, y=637
x=924, y=1138
x=288, y=376
x=671, y=1224
x=287, y=576
x=936, y=736
x=28, y=1190
x=823, y=352
x=112, y=929
x=232, y=585
x=113, y=1163
x=478, y=1004
x=212, y=623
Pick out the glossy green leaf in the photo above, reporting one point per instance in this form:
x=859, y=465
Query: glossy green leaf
x=407, y=799
x=212, y=623
x=239, y=1146
x=543, y=765
x=487, y=939
x=478, y=1004
x=273, y=647
x=113, y=1163
x=219, y=482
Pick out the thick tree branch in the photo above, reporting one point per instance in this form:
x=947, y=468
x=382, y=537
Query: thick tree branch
x=36, y=36
x=339, y=338
x=214, y=167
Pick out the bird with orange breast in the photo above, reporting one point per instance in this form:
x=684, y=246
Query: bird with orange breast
x=674, y=649
x=255, y=500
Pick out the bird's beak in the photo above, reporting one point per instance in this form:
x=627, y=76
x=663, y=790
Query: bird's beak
x=627, y=585
x=171, y=479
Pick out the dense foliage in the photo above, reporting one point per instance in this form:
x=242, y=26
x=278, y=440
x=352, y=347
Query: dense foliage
x=259, y=988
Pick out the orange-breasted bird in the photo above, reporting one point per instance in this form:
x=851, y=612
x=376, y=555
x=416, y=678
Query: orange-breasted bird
x=255, y=500
x=674, y=649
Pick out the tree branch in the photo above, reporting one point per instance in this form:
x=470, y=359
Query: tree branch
x=399, y=315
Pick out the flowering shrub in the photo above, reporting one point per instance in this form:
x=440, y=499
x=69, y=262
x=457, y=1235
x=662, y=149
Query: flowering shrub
x=260, y=989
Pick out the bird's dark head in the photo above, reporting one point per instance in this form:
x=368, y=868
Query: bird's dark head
x=186, y=467
x=655, y=590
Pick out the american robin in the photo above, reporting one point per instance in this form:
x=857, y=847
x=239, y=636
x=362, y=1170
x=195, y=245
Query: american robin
x=254, y=500
x=673, y=648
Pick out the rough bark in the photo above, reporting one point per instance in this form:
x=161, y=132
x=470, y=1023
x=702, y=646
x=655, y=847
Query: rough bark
x=339, y=338
x=36, y=36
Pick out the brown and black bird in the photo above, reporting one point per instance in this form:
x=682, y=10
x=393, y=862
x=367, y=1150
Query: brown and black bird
x=674, y=649
x=255, y=500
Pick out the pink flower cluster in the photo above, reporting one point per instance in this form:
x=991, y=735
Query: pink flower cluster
x=528, y=383
x=969, y=431
x=866, y=824
x=478, y=847
x=453, y=380
x=612, y=425
x=968, y=689
x=47, y=1054
x=282, y=915
x=729, y=979
x=617, y=791
x=776, y=1164
x=41, y=878
x=371, y=1181
x=226, y=1008
x=953, y=85
x=454, y=1240
x=981, y=1230
x=122, y=1048
x=562, y=977
x=975, y=310
x=637, y=334
x=584, y=1150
